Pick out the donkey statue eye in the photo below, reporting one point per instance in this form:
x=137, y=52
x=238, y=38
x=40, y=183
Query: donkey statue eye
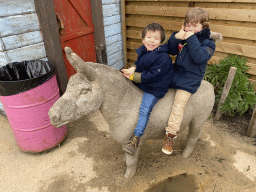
x=84, y=91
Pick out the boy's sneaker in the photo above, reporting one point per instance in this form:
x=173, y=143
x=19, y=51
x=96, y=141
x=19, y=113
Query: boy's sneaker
x=132, y=145
x=168, y=143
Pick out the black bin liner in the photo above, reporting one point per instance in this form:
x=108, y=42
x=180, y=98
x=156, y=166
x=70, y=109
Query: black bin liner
x=18, y=77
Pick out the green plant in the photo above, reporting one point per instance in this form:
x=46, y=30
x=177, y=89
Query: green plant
x=242, y=95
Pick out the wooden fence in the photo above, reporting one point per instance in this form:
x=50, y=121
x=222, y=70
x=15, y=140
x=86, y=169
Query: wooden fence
x=234, y=19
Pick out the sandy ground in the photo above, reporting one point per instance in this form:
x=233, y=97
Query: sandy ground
x=90, y=160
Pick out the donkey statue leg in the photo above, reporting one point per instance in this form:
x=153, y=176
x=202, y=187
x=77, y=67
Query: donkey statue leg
x=131, y=162
x=195, y=131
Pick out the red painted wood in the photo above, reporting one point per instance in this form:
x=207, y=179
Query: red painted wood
x=78, y=30
x=76, y=33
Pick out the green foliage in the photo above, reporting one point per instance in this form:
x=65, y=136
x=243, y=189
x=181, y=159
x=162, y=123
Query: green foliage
x=242, y=95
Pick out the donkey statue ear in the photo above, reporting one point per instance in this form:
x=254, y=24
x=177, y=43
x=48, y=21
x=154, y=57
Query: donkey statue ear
x=68, y=52
x=84, y=67
x=79, y=65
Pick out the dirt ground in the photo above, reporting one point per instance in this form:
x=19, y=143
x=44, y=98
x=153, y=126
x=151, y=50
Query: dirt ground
x=224, y=160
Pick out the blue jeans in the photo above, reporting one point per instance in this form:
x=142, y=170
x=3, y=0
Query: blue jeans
x=147, y=104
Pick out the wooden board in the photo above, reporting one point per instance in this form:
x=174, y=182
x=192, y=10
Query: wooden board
x=22, y=40
x=112, y=30
x=78, y=30
x=116, y=57
x=214, y=13
x=1, y=45
x=238, y=49
x=3, y=59
x=228, y=31
x=31, y=52
x=110, y=10
x=14, y=7
x=104, y=2
x=119, y=65
x=112, y=20
x=113, y=39
x=114, y=48
x=14, y=25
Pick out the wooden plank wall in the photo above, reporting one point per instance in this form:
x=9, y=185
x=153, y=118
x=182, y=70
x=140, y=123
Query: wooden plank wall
x=112, y=28
x=234, y=19
x=20, y=38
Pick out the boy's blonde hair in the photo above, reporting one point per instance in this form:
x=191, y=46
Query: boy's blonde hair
x=196, y=15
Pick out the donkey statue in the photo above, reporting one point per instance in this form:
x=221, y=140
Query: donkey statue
x=99, y=87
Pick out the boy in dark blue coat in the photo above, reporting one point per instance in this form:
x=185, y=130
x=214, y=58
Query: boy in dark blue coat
x=152, y=73
x=193, y=47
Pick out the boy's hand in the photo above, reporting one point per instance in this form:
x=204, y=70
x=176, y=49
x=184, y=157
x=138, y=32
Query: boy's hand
x=128, y=72
x=181, y=34
x=188, y=34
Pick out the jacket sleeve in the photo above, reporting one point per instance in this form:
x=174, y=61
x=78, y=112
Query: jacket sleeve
x=173, y=44
x=198, y=52
x=135, y=63
x=159, y=69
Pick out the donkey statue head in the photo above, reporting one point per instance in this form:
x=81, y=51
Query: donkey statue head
x=83, y=94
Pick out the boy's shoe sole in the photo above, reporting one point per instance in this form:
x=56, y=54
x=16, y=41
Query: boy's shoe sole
x=167, y=152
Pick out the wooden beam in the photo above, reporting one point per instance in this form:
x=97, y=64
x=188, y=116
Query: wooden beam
x=31, y=52
x=237, y=49
x=99, y=35
x=251, y=131
x=142, y=22
x=226, y=31
x=18, y=24
x=227, y=86
x=248, y=15
x=133, y=45
x=50, y=33
x=14, y=7
x=124, y=30
x=21, y=40
x=132, y=56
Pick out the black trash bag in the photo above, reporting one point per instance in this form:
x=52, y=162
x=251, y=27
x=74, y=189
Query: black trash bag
x=18, y=77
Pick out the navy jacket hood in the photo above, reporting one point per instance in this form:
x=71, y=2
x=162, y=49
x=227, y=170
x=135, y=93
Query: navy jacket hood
x=203, y=35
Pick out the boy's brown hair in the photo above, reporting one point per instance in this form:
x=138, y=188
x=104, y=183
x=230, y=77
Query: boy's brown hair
x=154, y=27
x=196, y=15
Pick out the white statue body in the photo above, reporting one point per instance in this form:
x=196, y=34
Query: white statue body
x=100, y=87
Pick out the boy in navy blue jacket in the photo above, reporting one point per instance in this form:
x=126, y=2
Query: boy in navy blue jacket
x=193, y=47
x=152, y=73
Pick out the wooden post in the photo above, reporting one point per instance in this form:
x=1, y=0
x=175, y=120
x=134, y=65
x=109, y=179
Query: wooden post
x=99, y=36
x=123, y=16
x=251, y=132
x=50, y=33
x=225, y=91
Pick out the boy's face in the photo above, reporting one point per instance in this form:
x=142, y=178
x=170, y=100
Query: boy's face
x=152, y=40
x=193, y=27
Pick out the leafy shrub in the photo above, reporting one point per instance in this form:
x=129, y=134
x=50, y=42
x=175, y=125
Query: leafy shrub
x=242, y=95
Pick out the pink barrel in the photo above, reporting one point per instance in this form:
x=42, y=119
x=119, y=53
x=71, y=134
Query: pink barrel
x=27, y=113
